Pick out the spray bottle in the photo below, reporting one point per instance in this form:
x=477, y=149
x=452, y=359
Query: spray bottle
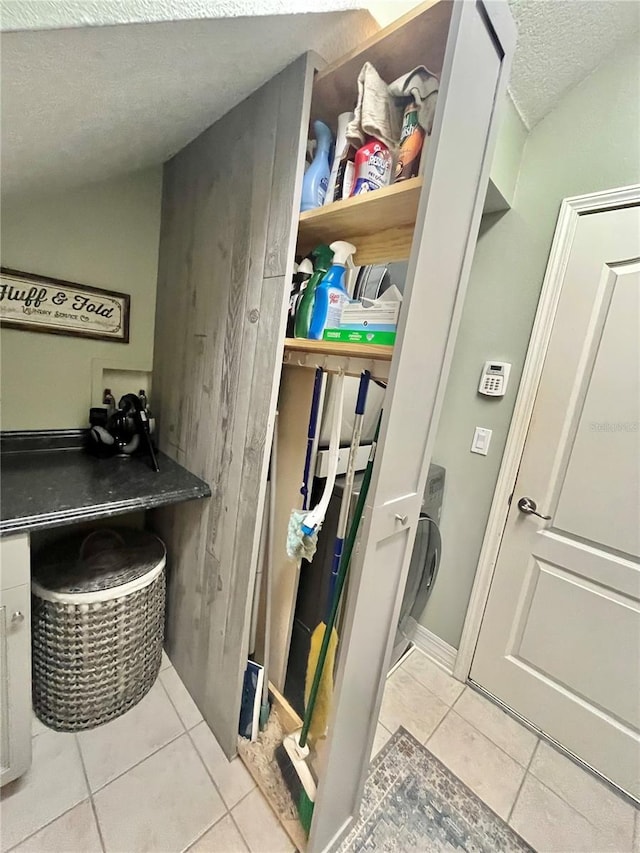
x=301, y=277
x=316, y=178
x=323, y=256
x=331, y=293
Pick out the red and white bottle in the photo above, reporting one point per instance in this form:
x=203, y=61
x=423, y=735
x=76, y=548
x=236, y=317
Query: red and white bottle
x=373, y=165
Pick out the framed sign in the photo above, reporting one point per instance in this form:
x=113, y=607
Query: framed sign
x=36, y=303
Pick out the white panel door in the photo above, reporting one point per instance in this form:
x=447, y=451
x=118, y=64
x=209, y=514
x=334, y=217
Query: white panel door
x=560, y=637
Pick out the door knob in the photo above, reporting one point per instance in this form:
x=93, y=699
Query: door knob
x=530, y=507
x=17, y=617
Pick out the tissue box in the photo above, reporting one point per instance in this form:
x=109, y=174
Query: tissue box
x=371, y=321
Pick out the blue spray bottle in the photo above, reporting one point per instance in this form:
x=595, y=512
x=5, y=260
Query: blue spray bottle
x=316, y=178
x=331, y=293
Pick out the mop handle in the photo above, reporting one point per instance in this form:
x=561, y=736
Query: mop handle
x=315, y=518
x=343, y=517
x=311, y=436
x=342, y=576
x=270, y=562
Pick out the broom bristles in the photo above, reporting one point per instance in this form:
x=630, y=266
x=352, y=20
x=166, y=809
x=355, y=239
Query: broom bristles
x=322, y=709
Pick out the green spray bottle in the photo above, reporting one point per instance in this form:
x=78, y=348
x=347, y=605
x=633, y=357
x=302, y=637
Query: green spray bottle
x=323, y=257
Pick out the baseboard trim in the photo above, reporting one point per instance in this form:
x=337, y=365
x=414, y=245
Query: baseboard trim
x=434, y=647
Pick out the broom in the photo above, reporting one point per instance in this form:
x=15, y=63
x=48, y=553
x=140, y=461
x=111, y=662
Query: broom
x=292, y=754
x=325, y=688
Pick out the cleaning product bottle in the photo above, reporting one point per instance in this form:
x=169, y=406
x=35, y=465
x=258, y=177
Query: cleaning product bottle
x=345, y=174
x=373, y=167
x=323, y=256
x=411, y=141
x=342, y=148
x=301, y=276
x=316, y=178
x=331, y=293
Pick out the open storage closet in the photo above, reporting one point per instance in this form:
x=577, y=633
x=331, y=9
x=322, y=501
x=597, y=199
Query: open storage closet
x=231, y=229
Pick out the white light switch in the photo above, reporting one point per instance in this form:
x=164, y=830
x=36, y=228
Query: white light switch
x=481, y=439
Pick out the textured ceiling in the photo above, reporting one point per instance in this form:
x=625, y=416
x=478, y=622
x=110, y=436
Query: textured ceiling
x=560, y=42
x=53, y=14
x=82, y=103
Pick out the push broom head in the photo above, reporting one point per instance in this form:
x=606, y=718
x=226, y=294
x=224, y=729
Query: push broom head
x=324, y=694
x=292, y=761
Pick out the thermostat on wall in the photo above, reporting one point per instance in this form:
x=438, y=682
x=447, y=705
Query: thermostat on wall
x=494, y=379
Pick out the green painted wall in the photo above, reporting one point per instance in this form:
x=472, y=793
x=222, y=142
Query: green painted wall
x=589, y=142
x=106, y=235
x=512, y=135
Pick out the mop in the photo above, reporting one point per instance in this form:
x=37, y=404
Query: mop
x=325, y=688
x=304, y=525
x=294, y=751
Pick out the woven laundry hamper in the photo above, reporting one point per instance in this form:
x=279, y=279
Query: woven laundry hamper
x=97, y=626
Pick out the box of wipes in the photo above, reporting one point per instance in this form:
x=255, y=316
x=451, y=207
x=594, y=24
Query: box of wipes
x=369, y=321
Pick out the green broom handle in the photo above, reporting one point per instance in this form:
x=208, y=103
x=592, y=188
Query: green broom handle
x=342, y=576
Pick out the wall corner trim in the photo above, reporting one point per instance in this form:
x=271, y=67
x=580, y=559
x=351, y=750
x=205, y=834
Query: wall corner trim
x=434, y=647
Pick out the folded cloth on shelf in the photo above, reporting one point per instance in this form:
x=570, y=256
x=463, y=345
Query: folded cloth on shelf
x=422, y=86
x=377, y=113
x=380, y=107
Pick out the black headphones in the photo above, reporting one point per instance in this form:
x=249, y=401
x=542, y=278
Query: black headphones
x=122, y=430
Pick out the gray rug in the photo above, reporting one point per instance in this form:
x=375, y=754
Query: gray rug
x=413, y=803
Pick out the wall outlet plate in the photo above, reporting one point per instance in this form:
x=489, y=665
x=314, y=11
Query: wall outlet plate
x=481, y=441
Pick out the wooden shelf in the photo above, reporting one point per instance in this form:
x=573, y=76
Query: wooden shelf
x=350, y=359
x=380, y=223
x=373, y=351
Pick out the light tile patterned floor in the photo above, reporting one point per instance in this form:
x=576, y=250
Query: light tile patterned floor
x=555, y=805
x=153, y=781
x=156, y=780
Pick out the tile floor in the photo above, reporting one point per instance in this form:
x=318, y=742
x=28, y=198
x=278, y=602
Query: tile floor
x=156, y=780
x=153, y=780
x=553, y=803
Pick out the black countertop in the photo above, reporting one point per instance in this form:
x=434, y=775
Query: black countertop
x=52, y=487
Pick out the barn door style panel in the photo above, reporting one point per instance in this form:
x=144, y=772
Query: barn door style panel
x=229, y=214
x=479, y=46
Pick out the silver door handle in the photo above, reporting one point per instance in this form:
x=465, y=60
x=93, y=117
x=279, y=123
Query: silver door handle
x=530, y=507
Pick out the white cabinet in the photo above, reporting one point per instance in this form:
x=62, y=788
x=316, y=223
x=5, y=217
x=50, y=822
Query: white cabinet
x=15, y=658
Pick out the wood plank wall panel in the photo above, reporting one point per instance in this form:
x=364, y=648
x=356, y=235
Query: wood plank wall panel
x=226, y=255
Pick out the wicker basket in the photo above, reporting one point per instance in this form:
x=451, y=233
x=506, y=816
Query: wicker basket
x=98, y=626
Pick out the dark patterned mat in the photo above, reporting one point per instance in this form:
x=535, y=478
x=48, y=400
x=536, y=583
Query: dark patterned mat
x=412, y=803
